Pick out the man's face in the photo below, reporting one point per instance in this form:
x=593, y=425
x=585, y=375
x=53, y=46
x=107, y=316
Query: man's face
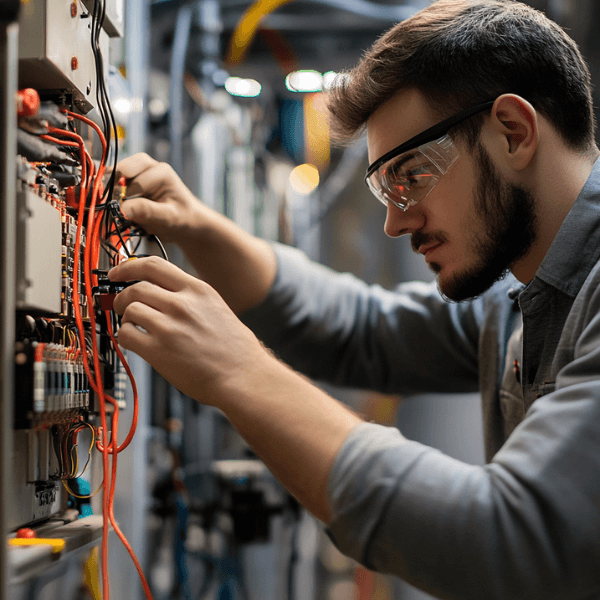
x=474, y=225
x=502, y=231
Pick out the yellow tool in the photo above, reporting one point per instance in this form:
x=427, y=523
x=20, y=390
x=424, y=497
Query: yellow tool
x=57, y=545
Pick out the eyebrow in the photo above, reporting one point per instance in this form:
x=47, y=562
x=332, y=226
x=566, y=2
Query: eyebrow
x=429, y=135
x=405, y=159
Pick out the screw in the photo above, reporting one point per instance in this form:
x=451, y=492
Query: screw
x=74, y=63
x=73, y=9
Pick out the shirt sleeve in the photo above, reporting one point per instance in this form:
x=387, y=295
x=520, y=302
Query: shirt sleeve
x=524, y=526
x=333, y=327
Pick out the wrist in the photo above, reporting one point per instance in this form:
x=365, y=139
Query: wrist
x=255, y=380
x=202, y=228
x=240, y=266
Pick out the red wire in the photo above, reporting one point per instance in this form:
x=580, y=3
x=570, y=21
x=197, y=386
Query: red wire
x=82, y=197
x=95, y=384
x=118, y=531
x=99, y=389
x=91, y=260
x=134, y=420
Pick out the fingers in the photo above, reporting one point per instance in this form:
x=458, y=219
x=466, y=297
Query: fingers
x=156, y=198
x=137, y=327
x=146, y=176
x=140, y=315
x=154, y=270
x=147, y=213
x=133, y=166
x=144, y=293
x=153, y=180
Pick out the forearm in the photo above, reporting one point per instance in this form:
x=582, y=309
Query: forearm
x=335, y=328
x=240, y=266
x=293, y=426
x=183, y=328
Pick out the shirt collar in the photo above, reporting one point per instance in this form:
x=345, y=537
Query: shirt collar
x=576, y=247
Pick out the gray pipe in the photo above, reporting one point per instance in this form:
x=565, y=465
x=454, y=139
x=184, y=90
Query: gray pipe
x=178, y=55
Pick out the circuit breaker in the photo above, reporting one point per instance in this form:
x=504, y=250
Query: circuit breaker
x=63, y=349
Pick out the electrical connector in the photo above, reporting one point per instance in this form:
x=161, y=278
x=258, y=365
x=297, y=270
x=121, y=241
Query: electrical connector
x=106, y=290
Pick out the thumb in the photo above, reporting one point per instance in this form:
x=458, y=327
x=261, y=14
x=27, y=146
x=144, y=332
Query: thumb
x=152, y=216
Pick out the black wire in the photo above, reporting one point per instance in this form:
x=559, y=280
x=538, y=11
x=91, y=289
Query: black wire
x=106, y=223
x=114, y=210
x=132, y=234
x=57, y=446
x=109, y=249
x=115, y=326
x=137, y=245
x=107, y=205
x=102, y=97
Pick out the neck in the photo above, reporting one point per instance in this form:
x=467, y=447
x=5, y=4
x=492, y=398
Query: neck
x=557, y=180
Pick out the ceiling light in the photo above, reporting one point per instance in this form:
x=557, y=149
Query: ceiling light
x=328, y=79
x=246, y=88
x=304, y=81
x=304, y=179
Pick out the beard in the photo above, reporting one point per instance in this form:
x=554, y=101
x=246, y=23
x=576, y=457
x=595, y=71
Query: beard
x=503, y=228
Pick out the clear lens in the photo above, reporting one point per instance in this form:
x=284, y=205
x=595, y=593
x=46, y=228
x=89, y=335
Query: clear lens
x=409, y=177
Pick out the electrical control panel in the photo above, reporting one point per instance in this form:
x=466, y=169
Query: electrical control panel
x=69, y=375
x=39, y=283
x=55, y=53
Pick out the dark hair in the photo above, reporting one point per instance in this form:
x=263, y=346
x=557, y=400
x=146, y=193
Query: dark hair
x=458, y=53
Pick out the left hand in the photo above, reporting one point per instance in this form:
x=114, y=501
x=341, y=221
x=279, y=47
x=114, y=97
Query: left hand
x=189, y=334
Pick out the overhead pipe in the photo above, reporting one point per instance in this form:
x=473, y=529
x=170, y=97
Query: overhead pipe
x=363, y=8
x=246, y=29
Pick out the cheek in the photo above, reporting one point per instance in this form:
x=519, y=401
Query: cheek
x=459, y=198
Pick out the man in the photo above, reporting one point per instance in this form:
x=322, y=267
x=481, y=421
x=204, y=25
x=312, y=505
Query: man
x=481, y=141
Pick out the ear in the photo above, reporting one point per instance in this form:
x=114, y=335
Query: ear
x=515, y=121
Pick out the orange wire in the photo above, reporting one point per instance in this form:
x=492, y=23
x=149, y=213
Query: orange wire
x=134, y=420
x=82, y=197
x=94, y=244
x=99, y=389
x=111, y=514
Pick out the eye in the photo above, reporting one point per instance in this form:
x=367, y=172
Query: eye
x=401, y=174
x=421, y=177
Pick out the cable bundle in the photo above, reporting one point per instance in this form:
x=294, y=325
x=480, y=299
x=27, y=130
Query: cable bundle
x=89, y=192
x=106, y=230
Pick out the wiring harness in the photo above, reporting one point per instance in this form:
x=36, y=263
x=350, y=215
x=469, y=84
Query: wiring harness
x=106, y=230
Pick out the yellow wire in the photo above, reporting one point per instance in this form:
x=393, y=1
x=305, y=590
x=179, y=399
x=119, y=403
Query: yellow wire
x=247, y=27
x=77, y=495
x=74, y=462
x=87, y=462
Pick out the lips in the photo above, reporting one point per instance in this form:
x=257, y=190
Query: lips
x=425, y=249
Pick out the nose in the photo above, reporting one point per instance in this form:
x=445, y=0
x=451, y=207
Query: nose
x=400, y=222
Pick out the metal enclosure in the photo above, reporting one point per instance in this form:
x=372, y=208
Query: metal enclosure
x=54, y=49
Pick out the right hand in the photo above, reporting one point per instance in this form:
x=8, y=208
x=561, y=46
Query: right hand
x=160, y=202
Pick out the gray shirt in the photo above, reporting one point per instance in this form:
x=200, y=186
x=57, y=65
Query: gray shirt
x=525, y=525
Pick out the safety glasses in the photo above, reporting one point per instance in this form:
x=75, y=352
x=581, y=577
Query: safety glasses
x=408, y=173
